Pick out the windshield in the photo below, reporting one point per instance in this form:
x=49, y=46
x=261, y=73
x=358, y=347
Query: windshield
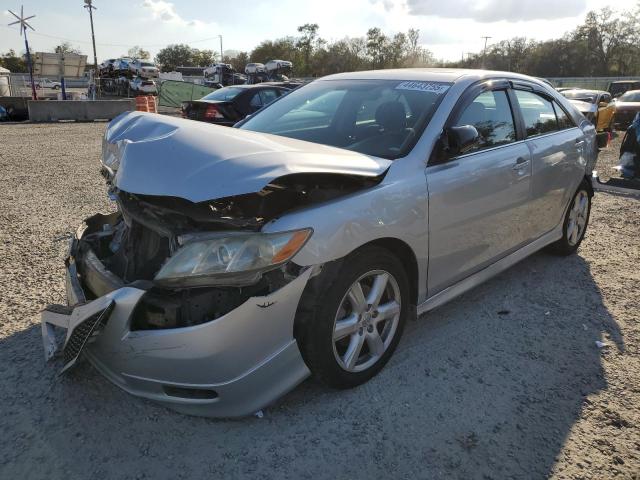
x=147, y=64
x=383, y=118
x=582, y=96
x=223, y=94
x=630, y=97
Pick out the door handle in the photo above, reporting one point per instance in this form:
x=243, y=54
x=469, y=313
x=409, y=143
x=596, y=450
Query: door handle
x=521, y=163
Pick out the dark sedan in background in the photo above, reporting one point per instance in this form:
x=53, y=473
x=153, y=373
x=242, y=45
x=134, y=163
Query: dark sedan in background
x=229, y=105
x=627, y=107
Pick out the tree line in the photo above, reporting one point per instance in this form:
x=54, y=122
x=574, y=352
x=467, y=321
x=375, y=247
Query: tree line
x=607, y=43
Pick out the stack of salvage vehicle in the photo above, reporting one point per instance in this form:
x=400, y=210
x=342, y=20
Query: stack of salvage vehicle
x=272, y=71
x=223, y=74
x=127, y=76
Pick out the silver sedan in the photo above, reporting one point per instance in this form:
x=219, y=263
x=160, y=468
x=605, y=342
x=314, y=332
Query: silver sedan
x=241, y=261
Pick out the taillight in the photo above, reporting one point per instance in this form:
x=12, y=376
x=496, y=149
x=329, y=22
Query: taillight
x=212, y=112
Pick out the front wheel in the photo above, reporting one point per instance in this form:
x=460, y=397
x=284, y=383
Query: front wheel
x=575, y=223
x=351, y=317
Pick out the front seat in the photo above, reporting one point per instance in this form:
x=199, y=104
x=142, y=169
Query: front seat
x=391, y=117
x=390, y=131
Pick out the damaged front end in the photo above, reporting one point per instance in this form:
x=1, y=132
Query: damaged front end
x=186, y=301
x=178, y=340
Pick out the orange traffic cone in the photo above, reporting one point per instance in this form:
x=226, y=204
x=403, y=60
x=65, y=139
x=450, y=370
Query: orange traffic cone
x=151, y=101
x=142, y=104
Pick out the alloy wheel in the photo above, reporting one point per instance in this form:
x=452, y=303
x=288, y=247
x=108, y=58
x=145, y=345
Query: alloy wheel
x=578, y=217
x=366, y=321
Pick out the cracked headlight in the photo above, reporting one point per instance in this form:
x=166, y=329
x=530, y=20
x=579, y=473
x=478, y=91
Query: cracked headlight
x=229, y=259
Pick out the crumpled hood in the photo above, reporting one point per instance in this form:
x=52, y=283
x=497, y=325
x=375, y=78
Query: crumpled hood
x=159, y=155
x=584, y=107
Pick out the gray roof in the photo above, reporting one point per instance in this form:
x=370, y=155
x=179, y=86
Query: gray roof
x=450, y=75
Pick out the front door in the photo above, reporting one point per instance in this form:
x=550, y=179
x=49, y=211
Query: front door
x=478, y=202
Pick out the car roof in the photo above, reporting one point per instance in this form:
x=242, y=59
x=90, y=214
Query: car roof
x=448, y=75
x=625, y=81
x=586, y=90
x=254, y=85
x=631, y=91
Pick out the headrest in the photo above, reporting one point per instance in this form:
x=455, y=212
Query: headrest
x=391, y=116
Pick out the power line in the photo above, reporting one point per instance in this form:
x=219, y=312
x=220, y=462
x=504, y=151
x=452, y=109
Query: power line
x=148, y=45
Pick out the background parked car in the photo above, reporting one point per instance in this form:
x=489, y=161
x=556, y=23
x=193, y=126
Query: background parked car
x=229, y=105
x=627, y=106
x=121, y=66
x=618, y=88
x=46, y=83
x=144, y=69
x=143, y=86
x=106, y=67
x=596, y=105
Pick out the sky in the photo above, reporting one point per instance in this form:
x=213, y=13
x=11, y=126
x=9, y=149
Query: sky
x=447, y=27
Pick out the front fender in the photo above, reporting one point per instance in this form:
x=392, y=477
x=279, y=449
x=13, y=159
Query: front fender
x=393, y=209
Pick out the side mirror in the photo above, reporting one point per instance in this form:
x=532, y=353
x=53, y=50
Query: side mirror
x=461, y=139
x=603, y=104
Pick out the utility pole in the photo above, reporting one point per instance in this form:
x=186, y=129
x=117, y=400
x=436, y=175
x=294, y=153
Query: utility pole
x=22, y=20
x=484, y=51
x=88, y=5
x=469, y=54
x=221, y=54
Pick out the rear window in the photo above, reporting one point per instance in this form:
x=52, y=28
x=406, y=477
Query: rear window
x=224, y=94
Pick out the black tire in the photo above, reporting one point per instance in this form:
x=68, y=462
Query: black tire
x=568, y=245
x=319, y=305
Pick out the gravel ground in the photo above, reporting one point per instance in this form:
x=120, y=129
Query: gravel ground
x=504, y=382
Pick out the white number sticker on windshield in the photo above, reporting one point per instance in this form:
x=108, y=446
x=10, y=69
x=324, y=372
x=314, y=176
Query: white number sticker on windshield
x=423, y=87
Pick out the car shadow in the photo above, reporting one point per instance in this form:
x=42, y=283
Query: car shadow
x=487, y=386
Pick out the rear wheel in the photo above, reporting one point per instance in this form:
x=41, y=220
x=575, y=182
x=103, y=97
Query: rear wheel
x=351, y=317
x=575, y=223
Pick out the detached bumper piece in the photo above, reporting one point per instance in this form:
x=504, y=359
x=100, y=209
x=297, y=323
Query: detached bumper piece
x=619, y=186
x=82, y=323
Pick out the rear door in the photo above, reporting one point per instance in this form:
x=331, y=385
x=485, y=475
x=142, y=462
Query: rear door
x=478, y=202
x=558, y=158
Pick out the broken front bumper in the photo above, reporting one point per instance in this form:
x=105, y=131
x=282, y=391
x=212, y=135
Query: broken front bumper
x=231, y=366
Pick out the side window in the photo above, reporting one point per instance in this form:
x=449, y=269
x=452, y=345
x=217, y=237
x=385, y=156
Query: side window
x=268, y=96
x=491, y=114
x=537, y=112
x=256, y=101
x=564, y=121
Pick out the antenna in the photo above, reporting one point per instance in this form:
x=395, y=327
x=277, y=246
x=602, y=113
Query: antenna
x=22, y=20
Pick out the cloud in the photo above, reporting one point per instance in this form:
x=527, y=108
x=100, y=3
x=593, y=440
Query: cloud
x=487, y=11
x=166, y=12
